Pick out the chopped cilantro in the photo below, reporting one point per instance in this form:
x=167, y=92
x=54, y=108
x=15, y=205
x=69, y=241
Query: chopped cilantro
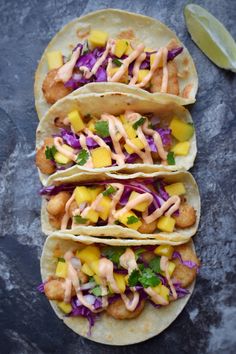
x=117, y=222
x=139, y=122
x=50, y=152
x=141, y=267
x=82, y=157
x=134, y=277
x=155, y=264
x=102, y=128
x=138, y=252
x=79, y=220
x=61, y=260
x=132, y=219
x=113, y=253
x=109, y=191
x=97, y=291
x=117, y=62
x=171, y=158
x=85, y=48
x=149, y=278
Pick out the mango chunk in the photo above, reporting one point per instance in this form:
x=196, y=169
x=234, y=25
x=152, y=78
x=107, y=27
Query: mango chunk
x=82, y=195
x=171, y=268
x=152, y=58
x=91, y=126
x=137, y=142
x=180, y=130
x=166, y=223
x=140, y=206
x=94, y=265
x=101, y=157
x=164, y=250
x=87, y=270
x=162, y=290
x=120, y=281
x=97, y=39
x=64, y=307
x=62, y=159
x=142, y=74
x=92, y=215
x=94, y=192
x=182, y=148
x=61, y=270
x=175, y=189
x=88, y=254
x=149, y=50
x=97, y=279
x=125, y=217
x=124, y=77
x=131, y=132
x=55, y=60
x=120, y=47
x=129, y=48
x=76, y=121
x=104, y=207
x=123, y=119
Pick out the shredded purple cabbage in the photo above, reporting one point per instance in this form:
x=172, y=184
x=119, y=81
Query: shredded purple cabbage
x=189, y=264
x=181, y=292
x=81, y=310
x=40, y=288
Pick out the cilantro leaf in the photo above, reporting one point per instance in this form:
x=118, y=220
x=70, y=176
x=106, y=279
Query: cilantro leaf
x=60, y=259
x=113, y=253
x=141, y=267
x=149, y=278
x=50, y=152
x=155, y=264
x=102, y=128
x=134, y=277
x=117, y=62
x=82, y=157
x=139, y=122
x=85, y=48
x=79, y=220
x=109, y=191
x=97, y=291
x=132, y=219
x=138, y=252
x=171, y=158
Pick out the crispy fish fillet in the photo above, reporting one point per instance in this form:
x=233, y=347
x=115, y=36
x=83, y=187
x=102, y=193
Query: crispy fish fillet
x=173, y=84
x=118, y=310
x=54, y=90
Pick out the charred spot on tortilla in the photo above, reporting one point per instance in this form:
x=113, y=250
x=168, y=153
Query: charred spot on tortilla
x=126, y=34
x=187, y=90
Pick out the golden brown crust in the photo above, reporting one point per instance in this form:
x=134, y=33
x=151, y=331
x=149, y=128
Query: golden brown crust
x=127, y=34
x=54, y=90
x=187, y=90
x=118, y=310
x=173, y=83
x=147, y=228
x=54, y=289
x=46, y=166
x=187, y=216
x=55, y=221
x=57, y=203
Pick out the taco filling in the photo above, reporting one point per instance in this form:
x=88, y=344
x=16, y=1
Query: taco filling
x=90, y=279
x=110, y=140
x=102, y=59
x=148, y=205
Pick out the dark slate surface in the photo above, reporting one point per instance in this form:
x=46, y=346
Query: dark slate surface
x=27, y=323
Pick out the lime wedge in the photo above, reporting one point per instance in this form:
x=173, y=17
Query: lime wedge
x=211, y=36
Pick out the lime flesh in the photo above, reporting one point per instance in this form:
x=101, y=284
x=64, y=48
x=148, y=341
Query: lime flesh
x=211, y=36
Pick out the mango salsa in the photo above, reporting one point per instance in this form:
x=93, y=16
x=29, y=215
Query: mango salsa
x=152, y=58
x=135, y=141
x=97, y=279
x=129, y=49
x=94, y=265
x=171, y=268
x=180, y=130
x=61, y=270
x=88, y=254
x=105, y=206
x=64, y=307
x=131, y=132
x=120, y=47
x=87, y=270
x=101, y=157
x=62, y=159
x=175, y=189
x=166, y=223
x=120, y=281
x=181, y=148
x=124, y=77
x=164, y=250
x=125, y=217
x=97, y=39
x=141, y=75
x=140, y=206
x=91, y=126
x=76, y=121
x=55, y=60
x=92, y=215
x=123, y=119
x=82, y=195
x=94, y=192
x=162, y=290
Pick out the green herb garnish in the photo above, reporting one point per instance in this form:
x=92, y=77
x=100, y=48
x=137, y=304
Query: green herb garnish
x=85, y=48
x=155, y=264
x=117, y=222
x=102, y=129
x=171, y=158
x=113, y=253
x=82, y=157
x=139, y=122
x=141, y=267
x=138, y=252
x=60, y=259
x=117, y=62
x=109, y=191
x=134, y=277
x=97, y=291
x=132, y=219
x=50, y=152
x=149, y=278
x=79, y=220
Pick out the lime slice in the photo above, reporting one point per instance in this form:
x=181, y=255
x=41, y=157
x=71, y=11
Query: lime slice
x=211, y=36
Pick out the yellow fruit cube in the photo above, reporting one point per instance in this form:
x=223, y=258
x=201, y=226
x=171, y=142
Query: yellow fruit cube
x=157, y=288
x=164, y=250
x=127, y=279
x=101, y=157
x=166, y=223
x=94, y=265
x=141, y=75
x=62, y=159
x=82, y=195
x=129, y=49
x=175, y=189
x=123, y=119
x=165, y=292
x=124, y=77
x=91, y=126
x=97, y=39
x=120, y=281
x=140, y=206
x=131, y=132
x=64, y=307
x=76, y=121
x=61, y=270
x=97, y=279
x=88, y=254
x=92, y=215
x=152, y=58
x=104, y=208
x=137, y=142
x=124, y=219
x=182, y=148
x=171, y=268
x=55, y=60
x=87, y=270
x=94, y=192
x=180, y=130
x=120, y=47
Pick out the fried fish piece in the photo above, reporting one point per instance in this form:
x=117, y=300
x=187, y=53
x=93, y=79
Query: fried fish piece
x=173, y=83
x=118, y=310
x=187, y=216
x=45, y=165
x=54, y=90
x=57, y=203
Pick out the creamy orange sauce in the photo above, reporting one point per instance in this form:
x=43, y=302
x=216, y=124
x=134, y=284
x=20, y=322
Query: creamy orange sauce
x=157, y=140
x=145, y=197
x=164, y=266
x=131, y=304
x=105, y=270
x=156, y=62
x=156, y=298
x=136, y=68
x=65, y=71
x=66, y=216
x=164, y=83
x=93, y=206
x=128, y=261
x=115, y=201
x=174, y=201
x=58, y=142
x=68, y=288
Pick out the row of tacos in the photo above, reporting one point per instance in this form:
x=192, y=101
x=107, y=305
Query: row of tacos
x=118, y=205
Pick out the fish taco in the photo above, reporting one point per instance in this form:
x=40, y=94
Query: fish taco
x=114, y=46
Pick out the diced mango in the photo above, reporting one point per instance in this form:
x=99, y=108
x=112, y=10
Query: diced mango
x=82, y=195
x=97, y=279
x=140, y=206
x=88, y=254
x=131, y=132
x=171, y=268
x=135, y=141
x=94, y=192
x=166, y=223
x=164, y=250
x=120, y=281
x=124, y=77
x=162, y=290
x=97, y=39
x=127, y=279
x=92, y=215
x=180, y=130
x=101, y=157
x=55, y=60
x=175, y=189
x=91, y=126
x=94, y=265
x=64, y=307
x=157, y=288
x=129, y=49
x=62, y=159
x=124, y=220
x=152, y=58
x=142, y=74
x=182, y=148
x=120, y=47
x=61, y=270
x=105, y=206
x=123, y=119
x=76, y=121
x=149, y=50
x=87, y=270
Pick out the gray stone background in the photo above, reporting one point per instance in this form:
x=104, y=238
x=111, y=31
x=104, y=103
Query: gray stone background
x=27, y=323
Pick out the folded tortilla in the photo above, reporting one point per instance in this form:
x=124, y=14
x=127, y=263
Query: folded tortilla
x=108, y=330
x=115, y=103
x=120, y=24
